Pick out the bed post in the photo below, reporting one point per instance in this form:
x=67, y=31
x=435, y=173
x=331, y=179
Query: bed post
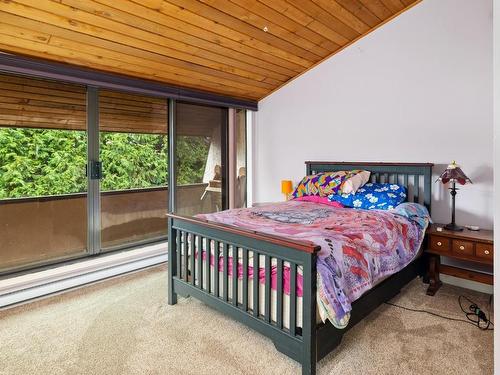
x=309, y=316
x=172, y=262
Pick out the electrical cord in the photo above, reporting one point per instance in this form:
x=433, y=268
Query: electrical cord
x=474, y=310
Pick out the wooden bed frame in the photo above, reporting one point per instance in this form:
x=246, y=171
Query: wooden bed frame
x=313, y=341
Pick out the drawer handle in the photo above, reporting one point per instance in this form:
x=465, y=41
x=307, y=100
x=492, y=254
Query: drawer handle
x=439, y=243
x=486, y=252
x=462, y=247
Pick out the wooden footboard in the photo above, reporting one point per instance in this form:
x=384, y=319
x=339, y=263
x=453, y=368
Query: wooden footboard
x=190, y=241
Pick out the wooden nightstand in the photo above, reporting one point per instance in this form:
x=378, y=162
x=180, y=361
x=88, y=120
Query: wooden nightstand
x=472, y=246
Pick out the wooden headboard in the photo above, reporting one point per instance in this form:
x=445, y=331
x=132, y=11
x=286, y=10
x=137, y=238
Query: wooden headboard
x=416, y=177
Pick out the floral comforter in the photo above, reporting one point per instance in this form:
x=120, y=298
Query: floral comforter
x=358, y=247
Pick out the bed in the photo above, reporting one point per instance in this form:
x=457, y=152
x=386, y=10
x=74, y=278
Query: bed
x=205, y=255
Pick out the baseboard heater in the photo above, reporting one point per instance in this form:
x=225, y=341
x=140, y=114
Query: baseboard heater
x=34, y=285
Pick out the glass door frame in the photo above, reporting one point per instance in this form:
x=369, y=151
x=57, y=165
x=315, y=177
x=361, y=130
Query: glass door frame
x=93, y=182
x=172, y=154
x=94, y=178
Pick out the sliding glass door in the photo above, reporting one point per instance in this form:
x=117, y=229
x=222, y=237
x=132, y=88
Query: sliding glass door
x=201, y=159
x=43, y=186
x=85, y=171
x=133, y=152
x=240, y=158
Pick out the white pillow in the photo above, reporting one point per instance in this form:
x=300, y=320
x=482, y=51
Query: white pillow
x=352, y=184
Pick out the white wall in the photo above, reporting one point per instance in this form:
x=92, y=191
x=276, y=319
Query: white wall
x=496, y=22
x=418, y=89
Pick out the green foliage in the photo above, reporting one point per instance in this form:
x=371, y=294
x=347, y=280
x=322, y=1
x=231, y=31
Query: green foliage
x=192, y=155
x=37, y=162
x=133, y=160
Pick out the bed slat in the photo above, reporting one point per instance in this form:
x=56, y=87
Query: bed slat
x=235, y=275
x=178, y=253
x=224, y=272
x=200, y=263
x=255, y=284
x=267, y=266
x=279, y=293
x=245, y=279
x=415, y=188
x=293, y=298
x=191, y=251
x=216, y=268
x=208, y=255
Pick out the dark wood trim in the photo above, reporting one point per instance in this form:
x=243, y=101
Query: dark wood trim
x=483, y=235
x=305, y=246
x=467, y=274
x=372, y=163
x=433, y=274
x=454, y=255
x=16, y=64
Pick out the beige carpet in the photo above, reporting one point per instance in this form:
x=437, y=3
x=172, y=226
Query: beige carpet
x=124, y=326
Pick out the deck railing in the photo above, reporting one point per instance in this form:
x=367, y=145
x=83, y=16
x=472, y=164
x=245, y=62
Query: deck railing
x=36, y=230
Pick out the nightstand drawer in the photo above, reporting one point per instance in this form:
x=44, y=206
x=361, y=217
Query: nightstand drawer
x=463, y=247
x=439, y=243
x=484, y=251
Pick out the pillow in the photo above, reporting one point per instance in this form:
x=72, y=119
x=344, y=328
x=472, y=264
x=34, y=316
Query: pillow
x=330, y=182
x=307, y=186
x=354, y=180
x=322, y=184
x=373, y=196
x=318, y=199
x=415, y=212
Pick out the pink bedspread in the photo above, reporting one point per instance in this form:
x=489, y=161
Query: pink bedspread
x=358, y=247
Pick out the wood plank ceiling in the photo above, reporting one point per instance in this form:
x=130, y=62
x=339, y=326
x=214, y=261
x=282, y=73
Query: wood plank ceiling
x=240, y=48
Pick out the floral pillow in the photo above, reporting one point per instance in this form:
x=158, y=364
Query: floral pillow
x=322, y=184
x=373, y=196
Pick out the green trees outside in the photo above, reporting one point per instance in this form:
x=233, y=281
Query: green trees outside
x=37, y=162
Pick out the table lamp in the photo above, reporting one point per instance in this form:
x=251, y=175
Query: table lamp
x=453, y=174
x=286, y=188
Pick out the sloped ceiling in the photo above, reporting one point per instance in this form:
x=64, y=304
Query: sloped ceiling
x=240, y=48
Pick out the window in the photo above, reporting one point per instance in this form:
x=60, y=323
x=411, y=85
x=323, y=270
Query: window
x=201, y=136
x=43, y=186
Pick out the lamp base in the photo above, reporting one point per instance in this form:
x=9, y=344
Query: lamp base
x=453, y=227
